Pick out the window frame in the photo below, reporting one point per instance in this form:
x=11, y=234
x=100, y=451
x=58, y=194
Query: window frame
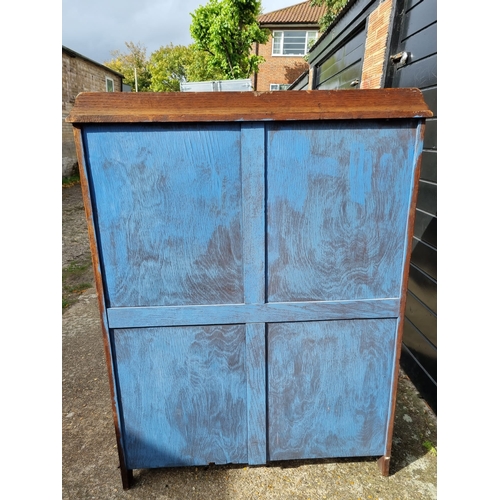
x=280, y=85
x=108, y=79
x=281, y=38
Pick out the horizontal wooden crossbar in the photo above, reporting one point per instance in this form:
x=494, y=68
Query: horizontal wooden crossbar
x=136, y=317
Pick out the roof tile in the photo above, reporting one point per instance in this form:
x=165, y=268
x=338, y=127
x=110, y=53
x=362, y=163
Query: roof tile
x=302, y=12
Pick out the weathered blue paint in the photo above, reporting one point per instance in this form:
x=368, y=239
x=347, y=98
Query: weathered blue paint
x=183, y=395
x=360, y=178
x=329, y=388
x=169, y=208
x=128, y=317
x=256, y=392
x=337, y=212
x=253, y=189
x=253, y=284
x=87, y=189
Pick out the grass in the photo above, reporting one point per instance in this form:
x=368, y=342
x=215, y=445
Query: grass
x=76, y=278
x=430, y=447
x=78, y=275
x=70, y=181
x=76, y=268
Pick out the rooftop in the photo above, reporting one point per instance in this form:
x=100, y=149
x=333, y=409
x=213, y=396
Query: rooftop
x=300, y=13
x=72, y=53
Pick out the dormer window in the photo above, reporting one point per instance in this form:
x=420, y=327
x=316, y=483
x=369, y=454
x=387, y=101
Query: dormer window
x=293, y=43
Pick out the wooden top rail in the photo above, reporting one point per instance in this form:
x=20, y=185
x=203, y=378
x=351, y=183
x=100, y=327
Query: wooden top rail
x=145, y=107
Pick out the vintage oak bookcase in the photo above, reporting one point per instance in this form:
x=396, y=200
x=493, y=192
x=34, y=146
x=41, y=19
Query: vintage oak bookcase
x=251, y=254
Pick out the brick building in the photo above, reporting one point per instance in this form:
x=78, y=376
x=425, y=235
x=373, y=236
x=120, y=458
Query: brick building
x=81, y=74
x=293, y=30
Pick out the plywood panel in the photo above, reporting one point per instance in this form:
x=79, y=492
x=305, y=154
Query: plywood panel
x=329, y=388
x=168, y=204
x=333, y=231
x=183, y=395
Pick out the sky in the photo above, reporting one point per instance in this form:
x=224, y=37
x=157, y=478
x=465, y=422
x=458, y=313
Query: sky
x=94, y=28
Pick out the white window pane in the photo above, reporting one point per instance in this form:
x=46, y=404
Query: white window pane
x=294, y=43
x=312, y=36
x=299, y=34
x=277, y=42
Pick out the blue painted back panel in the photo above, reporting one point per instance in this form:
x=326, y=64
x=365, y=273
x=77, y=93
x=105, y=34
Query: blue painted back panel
x=329, y=388
x=238, y=260
x=338, y=200
x=168, y=204
x=183, y=395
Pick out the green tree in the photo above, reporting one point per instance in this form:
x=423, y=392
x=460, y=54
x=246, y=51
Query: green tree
x=226, y=30
x=132, y=63
x=171, y=65
x=333, y=8
x=199, y=70
x=168, y=67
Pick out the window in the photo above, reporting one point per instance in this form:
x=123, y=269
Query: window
x=293, y=43
x=110, y=85
x=278, y=86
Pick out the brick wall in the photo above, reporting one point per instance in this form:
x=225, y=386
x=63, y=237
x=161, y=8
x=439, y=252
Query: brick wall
x=278, y=69
x=78, y=75
x=376, y=46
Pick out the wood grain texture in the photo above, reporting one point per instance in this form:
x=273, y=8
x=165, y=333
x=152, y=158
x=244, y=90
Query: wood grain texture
x=253, y=158
x=169, y=212
x=142, y=107
x=337, y=202
x=125, y=472
x=329, y=388
x=128, y=317
x=256, y=365
x=384, y=462
x=252, y=274
x=183, y=395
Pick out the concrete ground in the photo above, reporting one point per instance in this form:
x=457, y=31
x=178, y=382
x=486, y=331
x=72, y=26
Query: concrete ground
x=90, y=468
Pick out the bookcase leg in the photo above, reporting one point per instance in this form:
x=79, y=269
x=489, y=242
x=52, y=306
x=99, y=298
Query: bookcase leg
x=127, y=478
x=383, y=465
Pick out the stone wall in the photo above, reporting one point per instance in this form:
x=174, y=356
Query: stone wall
x=79, y=74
